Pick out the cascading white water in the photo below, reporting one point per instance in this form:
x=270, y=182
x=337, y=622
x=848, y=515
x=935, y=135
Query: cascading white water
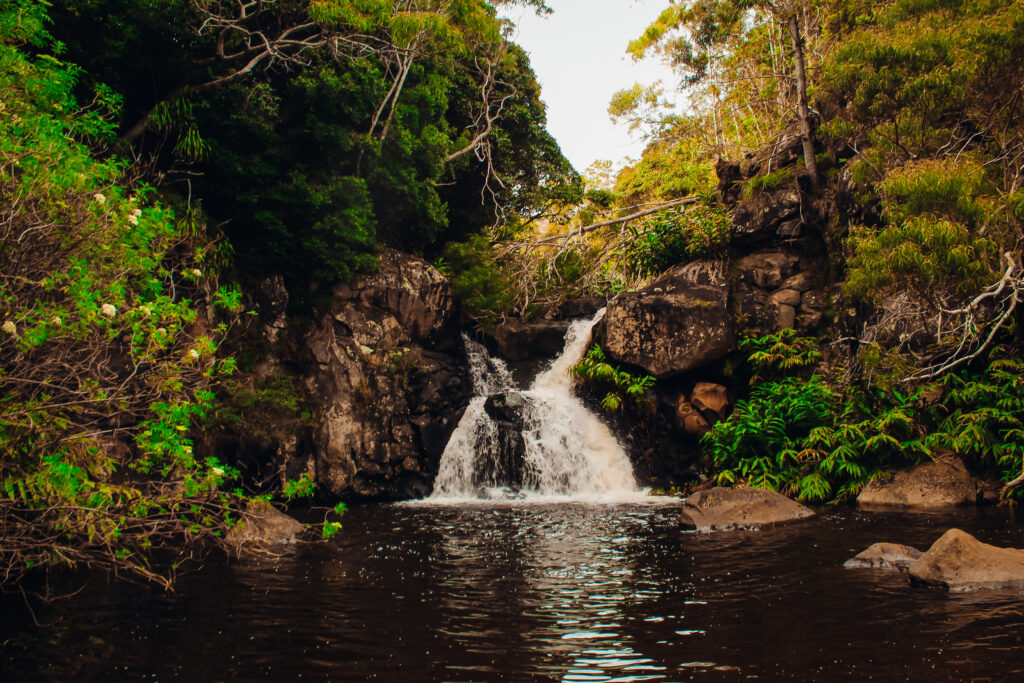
x=566, y=451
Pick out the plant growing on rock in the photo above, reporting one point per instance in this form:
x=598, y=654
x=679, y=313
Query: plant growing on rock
x=594, y=369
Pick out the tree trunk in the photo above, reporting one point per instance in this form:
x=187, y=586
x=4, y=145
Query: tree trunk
x=801, y=99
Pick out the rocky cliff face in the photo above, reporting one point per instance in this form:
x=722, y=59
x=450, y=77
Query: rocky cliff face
x=383, y=373
x=389, y=384
x=684, y=327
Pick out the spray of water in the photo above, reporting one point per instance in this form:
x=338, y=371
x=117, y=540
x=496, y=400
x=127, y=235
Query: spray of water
x=568, y=453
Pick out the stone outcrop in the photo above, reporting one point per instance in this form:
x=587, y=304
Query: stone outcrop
x=677, y=323
x=776, y=289
x=722, y=508
x=884, y=556
x=960, y=562
x=390, y=382
x=939, y=483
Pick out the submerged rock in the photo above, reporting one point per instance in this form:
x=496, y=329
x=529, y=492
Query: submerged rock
x=678, y=322
x=723, y=508
x=264, y=527
x=960, y=562
x=885, y=556
x=932, y=484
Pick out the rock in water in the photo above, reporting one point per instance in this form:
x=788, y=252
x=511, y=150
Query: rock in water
x=959, y=562
x=885, y=556
x=931, y=484
x=678, y=322
x=264, y=527
x=722, y=508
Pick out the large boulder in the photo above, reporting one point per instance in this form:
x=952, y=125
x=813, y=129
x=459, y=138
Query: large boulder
x=679, y=322
x=516, y=340
x=390, y=382
x=939, y=483
x=960, y=562
x=885, y=556
x=739, y=508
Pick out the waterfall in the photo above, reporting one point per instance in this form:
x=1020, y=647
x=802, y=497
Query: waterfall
x=539, y=443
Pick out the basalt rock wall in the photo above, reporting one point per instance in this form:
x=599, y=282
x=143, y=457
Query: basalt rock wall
x=381, y=374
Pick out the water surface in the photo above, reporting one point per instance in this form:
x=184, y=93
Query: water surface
x=569, y=592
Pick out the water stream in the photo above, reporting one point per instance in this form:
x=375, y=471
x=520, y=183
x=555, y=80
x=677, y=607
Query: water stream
x=540, y=444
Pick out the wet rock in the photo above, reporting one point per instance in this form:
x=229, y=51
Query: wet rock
x=739, y=508
x=506, y=466
x=801, y=282
x=517, y=340
x=262, y=527
x=787, y=297
x=885, y=556
x=712, y=400
x=960, y=562
x=677, y=323
x=939, y=483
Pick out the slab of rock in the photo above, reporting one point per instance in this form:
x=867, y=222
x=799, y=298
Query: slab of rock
x=723, y=508
x=885, y=556
x=678, y=322
x=262, y=528
x=940, y=483
x=959, y=562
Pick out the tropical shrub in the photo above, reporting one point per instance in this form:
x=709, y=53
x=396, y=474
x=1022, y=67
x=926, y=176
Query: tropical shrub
x=106, y=360
x=675, y=236
x=621, y=385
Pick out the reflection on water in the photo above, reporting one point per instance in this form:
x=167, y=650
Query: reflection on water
x=569, y=592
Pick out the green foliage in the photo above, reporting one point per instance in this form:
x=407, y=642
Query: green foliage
x=303, y=487
x=674, y=237
x=766, y=182
x=802, y=436
x=780, y=354
x=594, y=369
x=477, y=279
x=104, y=367
x=984, y=417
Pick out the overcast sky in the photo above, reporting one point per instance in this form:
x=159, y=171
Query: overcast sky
x=579, y=55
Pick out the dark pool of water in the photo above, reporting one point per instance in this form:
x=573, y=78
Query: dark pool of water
x=569, y=592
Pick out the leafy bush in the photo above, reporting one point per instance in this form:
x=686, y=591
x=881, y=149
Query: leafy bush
x=674, y=237
x=105, y=363
x=594, y=369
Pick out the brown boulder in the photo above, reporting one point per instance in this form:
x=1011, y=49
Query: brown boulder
x=721, y=508
x=712, y=400
x=679, y=322
x=931, y=484
x=960, y=562
x=690, y=420
x=885, y=556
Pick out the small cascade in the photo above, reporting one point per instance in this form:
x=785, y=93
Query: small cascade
x=538, y=443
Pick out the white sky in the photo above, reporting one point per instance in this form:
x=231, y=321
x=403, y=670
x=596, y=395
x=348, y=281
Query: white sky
x=579, y=56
